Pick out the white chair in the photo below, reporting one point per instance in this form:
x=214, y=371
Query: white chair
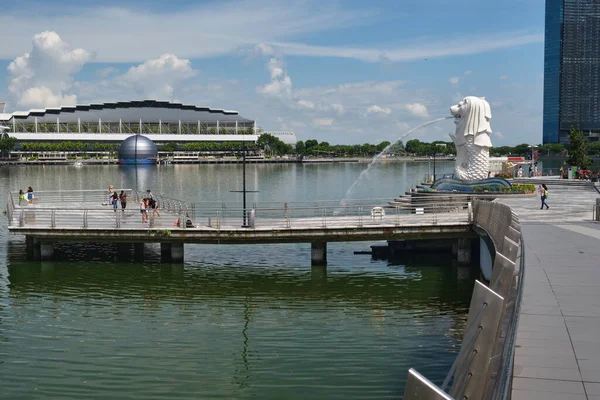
x=377, y=212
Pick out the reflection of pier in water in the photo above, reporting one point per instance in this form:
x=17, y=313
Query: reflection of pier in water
x=439, y=290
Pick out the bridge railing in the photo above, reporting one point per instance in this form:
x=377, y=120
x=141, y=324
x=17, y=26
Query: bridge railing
x=483, y=367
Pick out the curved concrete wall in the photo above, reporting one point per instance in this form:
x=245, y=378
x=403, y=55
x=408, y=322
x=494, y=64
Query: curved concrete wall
x=483, y=367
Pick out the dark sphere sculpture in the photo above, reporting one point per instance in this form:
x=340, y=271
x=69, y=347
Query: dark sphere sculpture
x=137, y=149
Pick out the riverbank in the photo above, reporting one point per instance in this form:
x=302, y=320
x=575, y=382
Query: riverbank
x=222, y=160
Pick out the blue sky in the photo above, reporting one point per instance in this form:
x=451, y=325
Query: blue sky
x=344, y=72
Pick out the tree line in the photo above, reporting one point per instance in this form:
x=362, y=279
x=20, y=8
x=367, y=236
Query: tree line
x=273, y=146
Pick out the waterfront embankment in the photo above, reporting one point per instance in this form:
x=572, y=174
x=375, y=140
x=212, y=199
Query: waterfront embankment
x=557, y=353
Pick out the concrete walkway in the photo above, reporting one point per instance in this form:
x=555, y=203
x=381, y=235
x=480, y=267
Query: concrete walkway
x=558, y=340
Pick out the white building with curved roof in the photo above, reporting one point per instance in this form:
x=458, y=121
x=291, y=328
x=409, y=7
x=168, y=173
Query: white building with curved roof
x=160, y=121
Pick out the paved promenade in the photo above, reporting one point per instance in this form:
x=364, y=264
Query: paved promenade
x=558, y=340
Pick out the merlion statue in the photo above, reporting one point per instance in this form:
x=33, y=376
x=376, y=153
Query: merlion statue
x=472, y=139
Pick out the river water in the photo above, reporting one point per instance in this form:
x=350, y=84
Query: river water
x=233, y=321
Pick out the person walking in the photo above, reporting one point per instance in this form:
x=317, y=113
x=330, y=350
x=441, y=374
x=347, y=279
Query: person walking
x=123, y=199
x=153, y=203
x=544, y=196
x=115, y=201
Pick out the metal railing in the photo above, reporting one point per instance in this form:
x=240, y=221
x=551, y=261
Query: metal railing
x=89, y=209
x=483, y=367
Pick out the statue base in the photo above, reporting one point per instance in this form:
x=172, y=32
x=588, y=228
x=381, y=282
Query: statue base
x=481, y=186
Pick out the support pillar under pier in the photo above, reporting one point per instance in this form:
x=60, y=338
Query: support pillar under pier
x=318, y=254
x=463, y=251
x=172, y=252
x=46, y=250
x=138, y=251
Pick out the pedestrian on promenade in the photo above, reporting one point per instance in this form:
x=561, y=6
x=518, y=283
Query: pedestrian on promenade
x=21, y=196
x=123, y=199
x=543, y=189
x=143, y=211
x=153, y=203
x=561, y=172
x=520, y=171
x=111, y=190
x=115, y=201
x=29, y=195
x=530, y=170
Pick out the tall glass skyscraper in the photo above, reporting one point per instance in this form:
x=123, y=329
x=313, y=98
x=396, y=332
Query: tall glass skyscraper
x=571, y=69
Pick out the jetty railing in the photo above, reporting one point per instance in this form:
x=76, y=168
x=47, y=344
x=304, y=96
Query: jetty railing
x=483, y=367
x=90, y=209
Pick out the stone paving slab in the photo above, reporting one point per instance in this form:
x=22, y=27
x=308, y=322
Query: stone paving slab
x=557, y=353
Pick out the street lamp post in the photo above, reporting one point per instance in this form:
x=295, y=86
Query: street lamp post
x=435, y=146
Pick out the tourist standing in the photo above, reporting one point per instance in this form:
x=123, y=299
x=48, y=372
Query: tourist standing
x=561, y=171
x=530, y=170
x=29, y=195
x=520, y=171
x=115, y=201
x=543, y=189
x=21, y=196
x=111, y=190
x=123, y=199
x=143, y=211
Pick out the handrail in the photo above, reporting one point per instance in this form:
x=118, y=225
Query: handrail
x=484, y=365
x=91, y=214
x=504, y=381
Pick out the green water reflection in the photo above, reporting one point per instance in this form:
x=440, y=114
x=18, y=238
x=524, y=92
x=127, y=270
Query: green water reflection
x=232, y=322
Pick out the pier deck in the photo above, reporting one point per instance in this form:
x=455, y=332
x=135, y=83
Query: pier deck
x=85, y=216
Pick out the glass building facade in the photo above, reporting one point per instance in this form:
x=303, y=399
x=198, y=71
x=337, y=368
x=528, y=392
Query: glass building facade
x=571, y=69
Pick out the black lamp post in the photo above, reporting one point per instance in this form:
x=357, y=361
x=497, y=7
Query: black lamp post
x=244, y=191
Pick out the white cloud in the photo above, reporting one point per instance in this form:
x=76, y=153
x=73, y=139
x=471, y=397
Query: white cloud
x=281, y=84
x=306, y=104
x=43, y=76
x=499, y=134
x=323, y=121
x=210, y=28
x=248, y=23
x=504, y=77
x=467, y=73
x=41, y=96
x=454, y=81
x=338, y=108
x=264, y=49
x=419, y=51
x=417, y=109
x=158, y=78
x=379, y=110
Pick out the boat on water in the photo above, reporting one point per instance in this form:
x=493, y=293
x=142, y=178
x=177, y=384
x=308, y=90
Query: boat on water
x=78, y=164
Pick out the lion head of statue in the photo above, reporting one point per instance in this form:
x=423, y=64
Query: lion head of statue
x=472, y=118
